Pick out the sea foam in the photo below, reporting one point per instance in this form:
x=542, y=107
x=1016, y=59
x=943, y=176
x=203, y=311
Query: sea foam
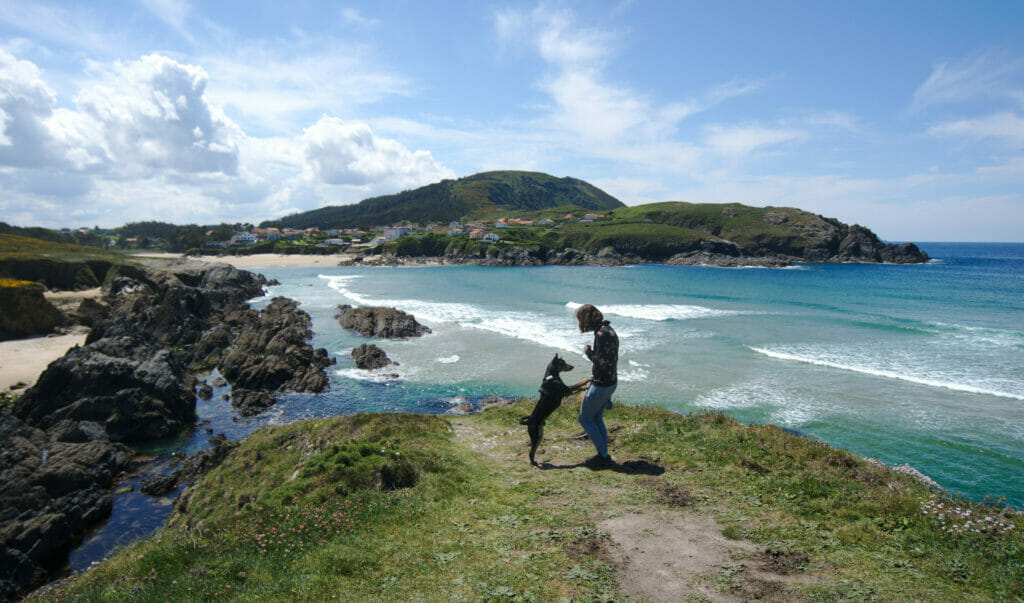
x=831, y=360
x=659, y=312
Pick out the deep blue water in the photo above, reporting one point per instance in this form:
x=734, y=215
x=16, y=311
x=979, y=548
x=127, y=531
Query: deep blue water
x=921, y=365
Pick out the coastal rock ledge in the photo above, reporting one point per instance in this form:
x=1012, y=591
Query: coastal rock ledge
x=378, y=321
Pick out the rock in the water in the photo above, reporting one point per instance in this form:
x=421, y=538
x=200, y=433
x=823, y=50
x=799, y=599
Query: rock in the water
x=250, y=402
x=271, y=352
x=369, y=357
x=378, y=321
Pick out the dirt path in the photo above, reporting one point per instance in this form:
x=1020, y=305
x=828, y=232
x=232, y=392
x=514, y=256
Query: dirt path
x=663, y=550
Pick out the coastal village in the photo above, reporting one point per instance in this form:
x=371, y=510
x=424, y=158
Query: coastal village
x=359, y=238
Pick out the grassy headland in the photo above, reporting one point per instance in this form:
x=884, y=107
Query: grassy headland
x=401, y=507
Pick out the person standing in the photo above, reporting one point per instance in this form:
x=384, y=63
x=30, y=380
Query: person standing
x=604, y=356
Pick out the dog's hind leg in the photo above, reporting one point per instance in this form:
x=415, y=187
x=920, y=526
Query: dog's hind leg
x=536, y=431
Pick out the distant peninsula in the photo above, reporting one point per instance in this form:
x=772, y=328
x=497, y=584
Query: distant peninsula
x=509, y=218
x=530, y=218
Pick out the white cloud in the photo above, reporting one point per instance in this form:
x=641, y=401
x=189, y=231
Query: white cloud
x=172, y=12
x=26, y=104
x=152, y=114
x=349, y=154
x=741, y=140
x=355, y=17
x=276, y=88
x=991, y=75
x=1007, y=125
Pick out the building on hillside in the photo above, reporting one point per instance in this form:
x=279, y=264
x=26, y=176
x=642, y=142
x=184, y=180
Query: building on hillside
x=393, y=233
x=243, y=238
x=335, y=242
x=545, y=222
x=593, y=216
x=291, y=234
x=568, y=216
x=434, y=228
x=452, y=232
x=491, y=237
x=476, y=233
x=501, y=223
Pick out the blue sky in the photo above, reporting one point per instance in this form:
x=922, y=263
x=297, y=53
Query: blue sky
x=906, y=117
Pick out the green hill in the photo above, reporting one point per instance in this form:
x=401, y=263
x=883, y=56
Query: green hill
x=479, y=196
x=55, y=265
x=381, y=507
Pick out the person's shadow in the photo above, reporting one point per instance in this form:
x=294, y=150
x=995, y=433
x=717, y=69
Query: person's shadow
x=638, y=467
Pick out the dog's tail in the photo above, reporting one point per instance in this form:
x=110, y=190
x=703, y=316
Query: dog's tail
x=524, y=420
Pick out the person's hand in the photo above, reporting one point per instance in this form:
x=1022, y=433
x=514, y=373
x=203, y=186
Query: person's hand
x=586, y=349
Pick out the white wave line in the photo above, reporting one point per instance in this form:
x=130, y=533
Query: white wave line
x=888, y=374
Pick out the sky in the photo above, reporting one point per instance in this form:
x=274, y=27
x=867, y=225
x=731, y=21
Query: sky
x=906, y=117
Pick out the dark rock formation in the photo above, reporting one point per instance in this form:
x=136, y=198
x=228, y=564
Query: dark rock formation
x=132, y=387
x=369, y=357
x=25, y=312
x=131, y=382
x=376, y=321
x=55, y=485
x=270, y=351
x=66, y=275
x=250, y=402
x=191, y=467
x=90, y=312
x=704, y=258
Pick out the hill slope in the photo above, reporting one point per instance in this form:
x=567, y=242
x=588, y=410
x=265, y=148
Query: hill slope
x=477, y=196
x=402, y=507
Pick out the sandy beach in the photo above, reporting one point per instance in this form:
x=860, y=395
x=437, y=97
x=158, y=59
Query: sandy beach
x=23, y=360
x=265, y=260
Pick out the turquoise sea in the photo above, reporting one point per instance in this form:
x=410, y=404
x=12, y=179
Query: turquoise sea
x=920, y=365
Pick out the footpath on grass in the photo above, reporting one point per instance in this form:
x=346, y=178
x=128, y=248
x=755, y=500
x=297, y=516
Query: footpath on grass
x=696, y=507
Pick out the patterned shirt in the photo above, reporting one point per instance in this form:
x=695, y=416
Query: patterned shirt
x=605, y=356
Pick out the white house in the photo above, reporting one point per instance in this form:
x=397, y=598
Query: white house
x=243, y=238
x=393, y=233
x=490, y=237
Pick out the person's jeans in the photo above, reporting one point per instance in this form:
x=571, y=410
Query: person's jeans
x=591, y=415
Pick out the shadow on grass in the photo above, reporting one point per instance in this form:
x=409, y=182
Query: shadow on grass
x=638, y=467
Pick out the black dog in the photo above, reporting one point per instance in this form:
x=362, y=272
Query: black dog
x=552, y=390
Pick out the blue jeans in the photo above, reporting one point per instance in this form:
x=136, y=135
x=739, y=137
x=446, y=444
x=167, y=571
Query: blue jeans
x=591, y=415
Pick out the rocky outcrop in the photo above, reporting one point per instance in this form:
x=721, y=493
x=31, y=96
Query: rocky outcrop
x=369, y=357
x=24, y=311
x=377, y=321
x=191, y=467
x=250, y=403
x=66, y=275
x=90, y=312
x=271, y=352
x=131, y=382
x=132, y=387
x=705, y=258
x=56, y=483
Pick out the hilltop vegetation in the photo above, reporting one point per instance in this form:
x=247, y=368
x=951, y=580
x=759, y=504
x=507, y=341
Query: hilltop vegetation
x=478, y=196
x=403, y=507
x=55, y=265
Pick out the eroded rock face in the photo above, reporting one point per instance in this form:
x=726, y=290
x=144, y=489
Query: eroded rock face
x=130, y=382
x=56, y=484
x=377, y=321
x=271, y=352
x=134, y=389
x=25, y=312
x=369, y=357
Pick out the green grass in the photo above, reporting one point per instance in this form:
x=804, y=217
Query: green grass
x=400, y=507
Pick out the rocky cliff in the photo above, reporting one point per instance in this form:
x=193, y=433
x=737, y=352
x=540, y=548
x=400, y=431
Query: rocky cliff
x=133, y=381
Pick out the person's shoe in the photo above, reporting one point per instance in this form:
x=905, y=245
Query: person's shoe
x=599, y=461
